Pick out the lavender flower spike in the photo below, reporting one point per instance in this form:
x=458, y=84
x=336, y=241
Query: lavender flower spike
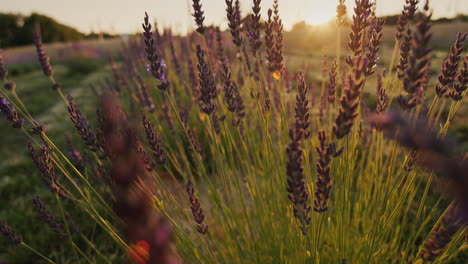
x=196, y=209
x=6, y=230
x=448, y=73
x=325, y=153
x=302, y=106
x=154, y=141
x=207, y=83
x=41, y=54
x=198, y=15
x=155, y=65
x=296, y=186
x=233, y=16
x=49, y=218
x=10, y=113
x=442, y=234
x=254, y=32
x=3, y=70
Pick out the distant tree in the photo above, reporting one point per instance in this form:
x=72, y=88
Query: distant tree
x=16, y=30
x=51, y=30
x=94, y=35
x=391, y=20
x=10, y=28
x=300, y=27
x=462, y=17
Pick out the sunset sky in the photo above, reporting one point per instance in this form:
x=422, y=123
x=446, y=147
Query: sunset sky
x=125, y=16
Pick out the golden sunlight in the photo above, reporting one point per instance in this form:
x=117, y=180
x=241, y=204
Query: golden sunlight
x=321, y=12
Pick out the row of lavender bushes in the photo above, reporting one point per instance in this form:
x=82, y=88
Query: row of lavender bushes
x=204, y=151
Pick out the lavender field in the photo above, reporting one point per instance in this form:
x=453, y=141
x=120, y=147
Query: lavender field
x=339, y=139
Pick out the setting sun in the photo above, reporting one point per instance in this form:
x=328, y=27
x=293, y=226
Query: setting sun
x=321, y=12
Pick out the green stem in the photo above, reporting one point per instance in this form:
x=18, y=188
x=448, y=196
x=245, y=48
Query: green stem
x=37, y=253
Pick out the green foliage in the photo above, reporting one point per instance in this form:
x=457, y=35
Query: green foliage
x=10, y=29
x=82, y=66
x=21, y=69
x=16, y=30
x=51, y=30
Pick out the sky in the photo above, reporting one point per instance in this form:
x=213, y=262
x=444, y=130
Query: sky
x=125, y=16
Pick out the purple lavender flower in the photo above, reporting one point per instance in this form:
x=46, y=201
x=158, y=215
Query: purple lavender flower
x=207, y=83
x=3, y=70
x=6, y=230
x=10, y=85
x=154, y=140
x=195, y=207
x=448, y=72
x=72, y=151
x=302, y=106
x=155, y=66
x=376, y=38
x=254, y=32
x=325, y=153
x=10, y=113
x=198, y=15
x=38, y=128
x=41, y=54
x=82, y=126
x=296, y=186
x=331, y=86
x=461, y=85
x=49, y=218
x=233, y=16
x=47, y=169
x=442, y=234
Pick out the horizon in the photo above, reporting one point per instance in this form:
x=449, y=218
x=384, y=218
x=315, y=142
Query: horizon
x=130, y=15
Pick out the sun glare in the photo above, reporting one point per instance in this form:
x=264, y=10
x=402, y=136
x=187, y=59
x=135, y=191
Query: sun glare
x=321, y=12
